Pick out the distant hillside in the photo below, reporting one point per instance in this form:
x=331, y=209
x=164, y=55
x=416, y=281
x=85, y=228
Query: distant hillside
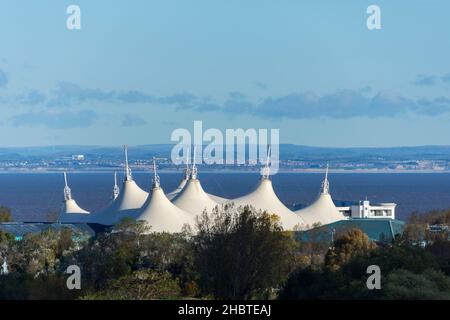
x=287, y=152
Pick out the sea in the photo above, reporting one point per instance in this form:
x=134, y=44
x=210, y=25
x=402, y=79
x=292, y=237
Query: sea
x=37, y=196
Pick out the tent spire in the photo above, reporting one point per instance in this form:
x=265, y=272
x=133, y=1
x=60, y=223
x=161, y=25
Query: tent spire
x=128, y=176
x=266, y=169
x=67, y=191
x=156, y=183
x=116, y=189
x=194, y=168
x=326, y=183
x=187, y=170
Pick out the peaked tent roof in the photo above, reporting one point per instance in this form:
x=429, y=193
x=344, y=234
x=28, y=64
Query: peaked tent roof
x=193, y=198
x=130, y=198
x=264, y=198
x=70, y=211
x=217, y=199
x=187, y=173
x=322, y=210
x=182, y=184
x=161, y=214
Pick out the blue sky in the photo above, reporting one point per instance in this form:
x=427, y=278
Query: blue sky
x=137, y=70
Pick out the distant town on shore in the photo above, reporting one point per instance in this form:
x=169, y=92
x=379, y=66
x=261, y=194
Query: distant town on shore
x=293, y=158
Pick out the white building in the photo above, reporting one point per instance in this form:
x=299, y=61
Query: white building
x=78, y=157
x=363, y=209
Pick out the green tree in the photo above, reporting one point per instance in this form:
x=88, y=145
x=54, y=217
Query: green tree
x=441, y=251
x=140, y=285
x=403, y=284
x=352, y=243
x=42, y=253
x=312, y=283
x=241, y=253
x=172, y=253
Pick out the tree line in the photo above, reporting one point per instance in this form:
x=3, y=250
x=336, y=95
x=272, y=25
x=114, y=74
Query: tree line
x=235, y=253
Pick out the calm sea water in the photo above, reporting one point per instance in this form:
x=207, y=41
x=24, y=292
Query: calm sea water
x=32, y=195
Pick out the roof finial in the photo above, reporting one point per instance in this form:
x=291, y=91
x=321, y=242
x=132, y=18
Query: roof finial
x=266, y=169
x=194, y=168
x=187, y=170
x=156, y=183
x=326, y=183
x=128, y=176
x=116, y=189
x=67, y=191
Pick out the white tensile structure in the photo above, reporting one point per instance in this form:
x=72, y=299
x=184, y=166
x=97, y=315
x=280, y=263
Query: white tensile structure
x=70, y=211
x=264, y=198
x=187, y=173
x=182, y=184
x=322, y=211
x=193, y=198
x=125, y=203
x=160, y=214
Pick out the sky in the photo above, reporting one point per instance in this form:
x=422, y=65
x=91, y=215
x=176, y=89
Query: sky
x=138, y=70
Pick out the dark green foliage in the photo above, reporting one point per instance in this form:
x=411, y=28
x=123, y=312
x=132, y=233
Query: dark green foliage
x=407, y=272
x=140, y=285
x=241, y=253
x=430, y=284
x=25, y=286
x=441, y=251
x=237, y=253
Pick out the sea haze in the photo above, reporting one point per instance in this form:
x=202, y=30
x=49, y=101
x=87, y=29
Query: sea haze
x=31, y=196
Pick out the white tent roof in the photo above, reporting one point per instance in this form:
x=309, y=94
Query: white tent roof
x=323, y=210
x=217, y=199
x=72, y=213
x=187, y=173
x=130, y=198
x=70, y=210
x=161, y=214
x=194, y=199
x=264, y=198
x=180, y=187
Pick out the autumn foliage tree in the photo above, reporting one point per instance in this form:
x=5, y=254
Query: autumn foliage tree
x=353, y=243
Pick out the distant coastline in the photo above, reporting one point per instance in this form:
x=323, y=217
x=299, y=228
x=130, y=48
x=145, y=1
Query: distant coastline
x=220, y=171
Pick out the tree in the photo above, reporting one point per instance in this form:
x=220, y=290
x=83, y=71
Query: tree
x=403, y=284
x=108, y=256
x=6, y=241
x=42, y=253
x=415, y=230
x=5, y=214
x=140, y=285
x=241, y=253
x=353, y=243
x=312, y=283
x=441, y=250
x=172, y=253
